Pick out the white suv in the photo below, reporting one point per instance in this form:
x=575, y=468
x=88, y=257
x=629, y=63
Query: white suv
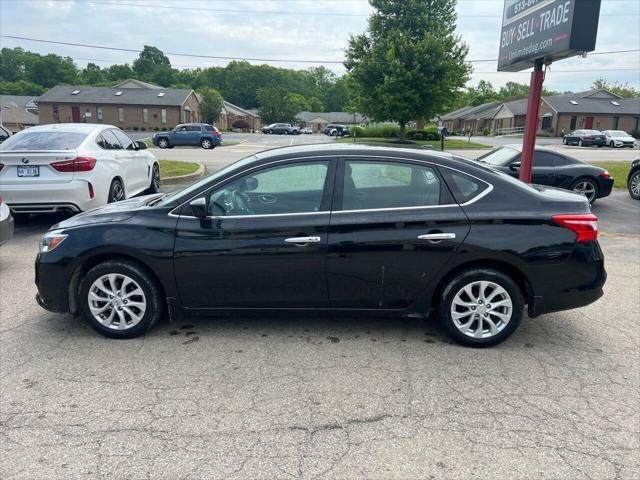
x=73, y=167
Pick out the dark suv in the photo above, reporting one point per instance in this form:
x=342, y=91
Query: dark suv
x=336, y=130
x=189, y=134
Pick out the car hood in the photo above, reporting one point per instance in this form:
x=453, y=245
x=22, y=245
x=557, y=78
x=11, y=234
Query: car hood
x=113, y=212
x=626, y=139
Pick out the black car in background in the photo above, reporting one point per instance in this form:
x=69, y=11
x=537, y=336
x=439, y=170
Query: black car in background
x=554, y=169
x=189, y=134
x=585, y=138
x=281, y=129
x=336, y=130
x=335, y=228
x=633, y=179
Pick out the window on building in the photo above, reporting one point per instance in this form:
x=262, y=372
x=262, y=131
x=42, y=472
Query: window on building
x=145, y=115
x=616, y=121
x=163, y=116
x=546, y=122
x=99, y=113
x=574, y=120
x=120, y=114
x=636, y=123
x=56, y=113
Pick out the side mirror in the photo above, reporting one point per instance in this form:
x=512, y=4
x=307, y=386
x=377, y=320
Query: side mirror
x=515, y=166
x=141, y=145
x=199, y=207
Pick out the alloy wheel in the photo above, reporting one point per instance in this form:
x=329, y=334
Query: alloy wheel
x=118, y=192
x=481, y=309
x=586, y=188
x=206, y=144
x=162, y=143
x=634, y=185
x=156, y=178
x=117, y=301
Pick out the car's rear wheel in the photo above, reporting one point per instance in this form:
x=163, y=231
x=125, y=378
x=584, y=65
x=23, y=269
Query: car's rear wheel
x=579, y=143
x=587, y=187
x=116, y=191
x=154, y=187
x=163, y=143
x=119, y=299
x=270, y=132
x=481, y=307
x=634, y=185
x=206, y=144
x=286, y=132
x=611, y=144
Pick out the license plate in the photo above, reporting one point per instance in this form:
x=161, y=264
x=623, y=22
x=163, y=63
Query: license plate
x=29, y=171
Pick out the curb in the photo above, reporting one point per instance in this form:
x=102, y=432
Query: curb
x=185, y=178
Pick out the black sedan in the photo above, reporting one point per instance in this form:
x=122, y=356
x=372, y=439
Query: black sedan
x=585, y=138
x=633, y=179
x=330, y=228
x=555, y=170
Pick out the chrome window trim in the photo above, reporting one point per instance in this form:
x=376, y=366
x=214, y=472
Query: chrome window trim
x=333, y=212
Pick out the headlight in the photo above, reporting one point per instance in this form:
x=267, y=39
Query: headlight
x=50, y=241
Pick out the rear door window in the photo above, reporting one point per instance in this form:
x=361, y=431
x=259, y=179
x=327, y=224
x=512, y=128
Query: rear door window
x=371, y=185
x=38, y=140
x=124, y=140
x=464, y=187
x=111, y=141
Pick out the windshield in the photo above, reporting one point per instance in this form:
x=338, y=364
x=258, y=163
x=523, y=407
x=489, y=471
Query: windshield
x=191, y=189
x=27, y=140
x=499, y=157
x=618, y=133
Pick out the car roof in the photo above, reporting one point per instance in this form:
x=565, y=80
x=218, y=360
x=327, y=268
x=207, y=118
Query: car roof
x=518, y=147
x=69, y=127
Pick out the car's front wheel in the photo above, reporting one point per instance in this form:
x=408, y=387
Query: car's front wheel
x=564, y=141
x=634, y=185
x=119, y=299
x=206, y=144
x=580, y=143
x=163, y=143
x=587, y=187
x=481, y=307
x=116, y=191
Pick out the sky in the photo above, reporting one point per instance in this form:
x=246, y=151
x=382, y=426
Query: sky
x=293, y=30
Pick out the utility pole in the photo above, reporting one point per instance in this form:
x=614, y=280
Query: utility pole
x=531, y=122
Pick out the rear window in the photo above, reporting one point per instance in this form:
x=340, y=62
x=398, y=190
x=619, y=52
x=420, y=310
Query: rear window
x=27, y=140
x=463, y=187
x=208, y=128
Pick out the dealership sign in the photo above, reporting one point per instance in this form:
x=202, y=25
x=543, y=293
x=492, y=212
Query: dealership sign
x=546, y=30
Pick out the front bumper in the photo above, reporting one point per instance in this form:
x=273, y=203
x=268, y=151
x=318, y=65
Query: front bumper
x=6, y=229
x=606, y=185
x=52, y=281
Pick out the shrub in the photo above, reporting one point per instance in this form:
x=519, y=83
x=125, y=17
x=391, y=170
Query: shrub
x=143, y=129
x=357, y=131
x=135, y=129
x=635, y=134
x=156, y=129
x=430, y=133
x=241, y=124
x=486, y=131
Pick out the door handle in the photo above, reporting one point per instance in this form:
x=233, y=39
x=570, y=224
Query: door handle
x=437, y=236
x=302, y=240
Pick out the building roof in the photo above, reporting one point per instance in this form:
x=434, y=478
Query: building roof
x=330, y=117
x=480, y=111
x=134, y=83
x=14, y=110
x=597, y=106
x=518, y=107
x=236, y=110
x=107, y=95
x=455, y=114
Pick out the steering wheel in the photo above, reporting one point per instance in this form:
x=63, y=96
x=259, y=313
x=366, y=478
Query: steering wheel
x=241, y=202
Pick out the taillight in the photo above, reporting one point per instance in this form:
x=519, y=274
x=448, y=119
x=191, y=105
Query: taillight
x=606, y=175
x=584, y=226
x=1, y=199
x=79, y=164
x=91, y=194
x=216, y=133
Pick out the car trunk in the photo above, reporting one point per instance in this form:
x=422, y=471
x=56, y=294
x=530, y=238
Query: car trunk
x=566, y=201
x=32, y=167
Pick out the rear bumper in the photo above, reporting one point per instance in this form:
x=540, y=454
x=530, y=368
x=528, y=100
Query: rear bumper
x=49, y=197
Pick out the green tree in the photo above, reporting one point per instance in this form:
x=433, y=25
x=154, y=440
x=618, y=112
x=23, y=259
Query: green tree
x=625, y=90
x=92, y=74
x=149, y=59
x=297, y=102
x=210, y=105
x=315, y=105
x=277, y=105
x=21, y=87
x=409, y=62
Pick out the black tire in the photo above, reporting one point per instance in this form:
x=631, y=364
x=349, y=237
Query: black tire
x=470, y=276
x=206, y=144
x=116, y=191
x=612, y=145
x=591, y=181
x=270, y=132
x=163, y=143
x=634, y=178
x=154, y=187
x=580, y=143
x=153, y=295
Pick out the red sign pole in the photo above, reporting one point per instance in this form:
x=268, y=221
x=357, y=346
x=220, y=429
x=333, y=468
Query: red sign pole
x=531, y=122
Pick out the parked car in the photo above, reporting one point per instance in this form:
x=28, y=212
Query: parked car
x=281, y=129
x=334, y=228
x=633, y=179
x=4, y=134
x=553, y=169
x=585, y=138
x=189, y=134
x=306, y=131
x=336, y=130
x=6, y=222
x=73, y=167
x=618, y=138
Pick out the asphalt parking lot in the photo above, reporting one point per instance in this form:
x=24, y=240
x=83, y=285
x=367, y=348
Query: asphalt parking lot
x=323, y=397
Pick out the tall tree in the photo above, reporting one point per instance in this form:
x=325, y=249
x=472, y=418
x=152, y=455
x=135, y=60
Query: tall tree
x=408, y=62
x=623, y=89
x=210, y=105
x=149, y=60
x=276, y=105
